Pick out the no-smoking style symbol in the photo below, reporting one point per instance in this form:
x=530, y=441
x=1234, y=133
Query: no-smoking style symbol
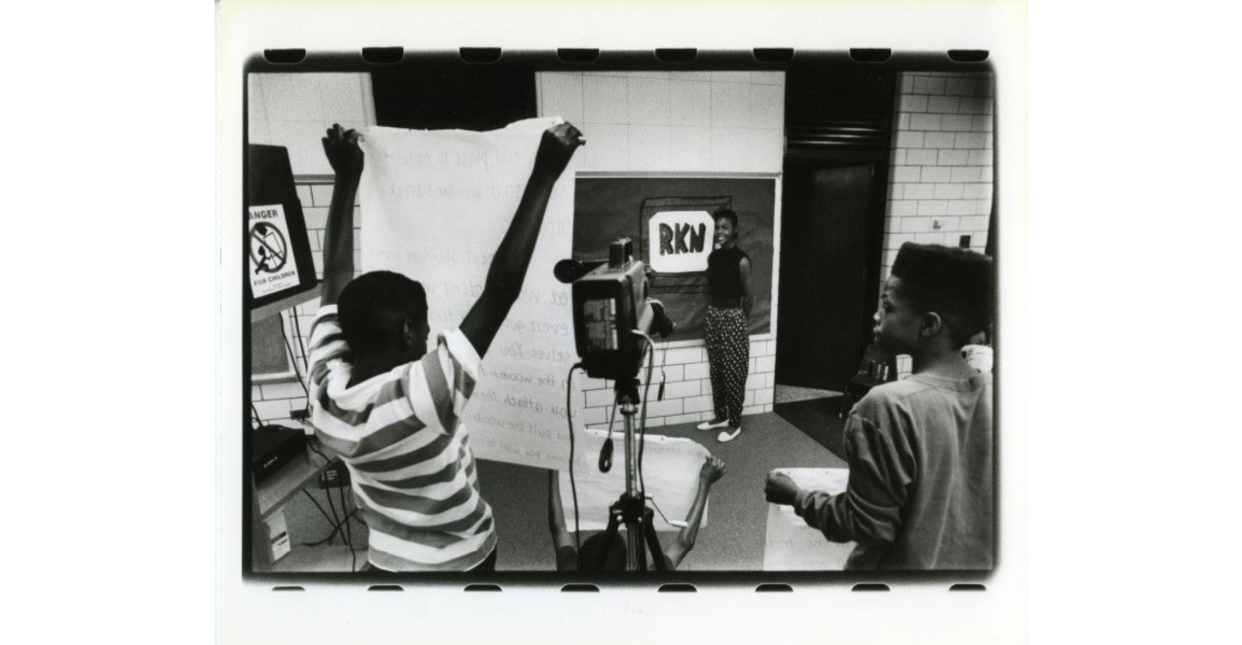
x=268, y=250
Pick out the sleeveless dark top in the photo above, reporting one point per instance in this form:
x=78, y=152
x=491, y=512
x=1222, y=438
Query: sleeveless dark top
x=722, y=272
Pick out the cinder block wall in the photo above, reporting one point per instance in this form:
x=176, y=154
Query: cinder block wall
x=940, y=185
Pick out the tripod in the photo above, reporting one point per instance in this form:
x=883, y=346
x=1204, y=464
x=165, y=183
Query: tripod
x=631, y=509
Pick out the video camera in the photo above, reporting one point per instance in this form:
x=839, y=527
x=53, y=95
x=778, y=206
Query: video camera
x=610, y=303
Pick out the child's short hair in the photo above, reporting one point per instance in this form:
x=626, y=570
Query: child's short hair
x=726, y=214
x=955, y=283
x=588, y=557
x=374, y=306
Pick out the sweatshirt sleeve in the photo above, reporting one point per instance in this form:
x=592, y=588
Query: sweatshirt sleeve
x=869, y=512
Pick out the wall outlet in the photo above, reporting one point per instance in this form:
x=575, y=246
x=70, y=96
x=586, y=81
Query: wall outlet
x=299, y=415
x=278, y=536
x=963, y=241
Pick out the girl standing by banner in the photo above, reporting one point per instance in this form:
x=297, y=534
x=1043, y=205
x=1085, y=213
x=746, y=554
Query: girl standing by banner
x=728, y=339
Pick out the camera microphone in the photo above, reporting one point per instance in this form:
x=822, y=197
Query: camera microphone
x=566, y=271
x=605, y=456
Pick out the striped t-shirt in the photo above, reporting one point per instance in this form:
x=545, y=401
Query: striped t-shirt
x=407, y=449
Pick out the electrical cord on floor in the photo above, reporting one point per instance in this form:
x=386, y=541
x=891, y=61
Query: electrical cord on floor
x=334, y=530
x=356, y=512
x=331, y=522
x=349, y=533
x=311, y=444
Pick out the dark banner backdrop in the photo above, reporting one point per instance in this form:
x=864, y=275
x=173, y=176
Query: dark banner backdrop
x=606, y=208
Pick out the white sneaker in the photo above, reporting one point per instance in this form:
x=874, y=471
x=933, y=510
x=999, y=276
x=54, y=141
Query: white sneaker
x=725, y=436
x=708, y=425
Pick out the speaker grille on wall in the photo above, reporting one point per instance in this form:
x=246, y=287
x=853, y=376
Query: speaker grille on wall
x=457, y=95
x=838, y=111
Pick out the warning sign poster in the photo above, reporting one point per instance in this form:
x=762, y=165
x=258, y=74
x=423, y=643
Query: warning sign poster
x=272, y=267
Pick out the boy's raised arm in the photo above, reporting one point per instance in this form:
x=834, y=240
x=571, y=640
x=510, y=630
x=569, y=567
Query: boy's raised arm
x=341, y=148
x=556, y=513
x=711, y=471
x=508, y=268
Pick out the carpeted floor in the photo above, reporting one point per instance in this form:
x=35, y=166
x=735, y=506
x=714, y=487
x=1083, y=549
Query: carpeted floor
x=737, y=511
x=818, y=419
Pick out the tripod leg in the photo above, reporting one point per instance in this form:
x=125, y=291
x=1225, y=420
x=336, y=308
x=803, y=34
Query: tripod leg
x=653, y=542
x=636, y=516
x=634, y=531
x=610, y=534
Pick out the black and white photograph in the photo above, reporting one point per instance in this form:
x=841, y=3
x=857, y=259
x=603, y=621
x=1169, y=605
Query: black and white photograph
x=512, y=314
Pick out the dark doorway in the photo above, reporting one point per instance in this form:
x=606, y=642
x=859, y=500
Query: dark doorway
x=838, y=127
x=829, y=246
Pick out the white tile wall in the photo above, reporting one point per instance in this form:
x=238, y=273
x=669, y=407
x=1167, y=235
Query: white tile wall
x=690, y=103
x=730, y=105
x=604, y=99
x=943, y=104
x=693, y=145
x=567, y=94
x=302, y=139
x=608, y=146
x=955, y=157
x=291, y=97
x=731, y=146
x=940, y=185
x=294, y=110
x=768, y=106
x=650, y=145
x=715, y=121
x=918, y=157
x=648, y=101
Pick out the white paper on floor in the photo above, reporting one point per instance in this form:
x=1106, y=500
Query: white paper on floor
x=790, y=544
x=670, y=470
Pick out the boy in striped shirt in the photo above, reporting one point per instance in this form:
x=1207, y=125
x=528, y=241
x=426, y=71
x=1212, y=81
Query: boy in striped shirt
x=390, y=408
